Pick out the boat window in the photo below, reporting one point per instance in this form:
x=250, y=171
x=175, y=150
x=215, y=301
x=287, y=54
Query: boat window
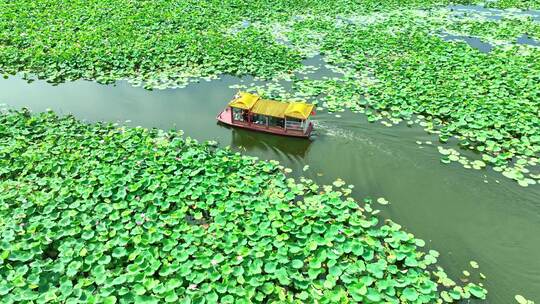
x=239, y=114
x=276, y=122
x=259, y=119
x=293, y=123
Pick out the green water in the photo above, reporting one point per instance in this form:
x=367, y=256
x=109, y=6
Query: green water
x=464, y=214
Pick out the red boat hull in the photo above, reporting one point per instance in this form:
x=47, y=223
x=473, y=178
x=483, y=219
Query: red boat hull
x=225, y=118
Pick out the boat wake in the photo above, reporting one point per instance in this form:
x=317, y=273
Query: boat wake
x=326, y=129
x=356, y=139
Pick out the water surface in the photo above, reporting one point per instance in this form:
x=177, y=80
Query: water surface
x=494, y=13
x=464, y=214
x=525, y=39
x=474, y=42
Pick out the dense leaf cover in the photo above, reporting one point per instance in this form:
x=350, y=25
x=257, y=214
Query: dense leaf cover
x=96, y=213
x=163, y=41
x=521, y=4
x=395, y=62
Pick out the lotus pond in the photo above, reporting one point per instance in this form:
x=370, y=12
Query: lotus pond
x=147, y=216
x=468, y=75
x=464, y=214
x=395, y=65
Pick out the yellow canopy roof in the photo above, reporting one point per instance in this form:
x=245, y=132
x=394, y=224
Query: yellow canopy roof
x=300, y=110
x=270, y=108
x=256, y=105
x=244, y=101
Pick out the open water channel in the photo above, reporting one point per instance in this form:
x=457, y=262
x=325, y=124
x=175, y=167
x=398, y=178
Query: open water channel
x=463, y=213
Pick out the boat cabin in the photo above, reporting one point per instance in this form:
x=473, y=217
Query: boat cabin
x=249, y=111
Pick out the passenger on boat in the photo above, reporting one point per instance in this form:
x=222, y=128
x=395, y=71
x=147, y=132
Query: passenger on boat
x=245, y=115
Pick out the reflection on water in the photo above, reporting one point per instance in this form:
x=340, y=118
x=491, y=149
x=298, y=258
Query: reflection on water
x=465, y=214
x=291, y=148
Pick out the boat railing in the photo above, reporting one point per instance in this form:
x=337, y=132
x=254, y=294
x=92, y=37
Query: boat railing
x=302, y=125
x=294, y=125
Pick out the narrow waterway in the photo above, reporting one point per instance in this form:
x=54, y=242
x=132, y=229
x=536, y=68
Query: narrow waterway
x=464, y=214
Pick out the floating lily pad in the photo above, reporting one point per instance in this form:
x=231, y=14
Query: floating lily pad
x=521, y=299
x=382, y=201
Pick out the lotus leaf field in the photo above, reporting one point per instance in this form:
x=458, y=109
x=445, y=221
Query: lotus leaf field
x=392, y=57
x=104, y=213
x=520, y=4
x=131, y=215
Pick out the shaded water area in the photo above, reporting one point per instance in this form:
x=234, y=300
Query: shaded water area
x=474, y=42
x=484, y=47
x=464, y=214
x=525, y=39
x=493, y=13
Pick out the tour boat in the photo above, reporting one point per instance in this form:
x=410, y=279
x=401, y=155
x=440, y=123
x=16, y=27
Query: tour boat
x=250, y=111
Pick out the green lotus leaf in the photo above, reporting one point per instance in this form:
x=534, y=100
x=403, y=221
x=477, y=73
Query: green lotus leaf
x=267, y=288
x=373, y=295
x=282, y=276
x=119, y=252
x=73, y=268
x=410, y=294
x=66, y=288
x=477, y=291
x=139, y=289
x=146, y=300
x=446, y=297
x=303, y=295
x=270, y=267
x=521, y=299
x=297, y=264
x=119, y=280
x=212, y=297
x=109, y=300
x=228, y=299
x=357, y=248
x=330, y=282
